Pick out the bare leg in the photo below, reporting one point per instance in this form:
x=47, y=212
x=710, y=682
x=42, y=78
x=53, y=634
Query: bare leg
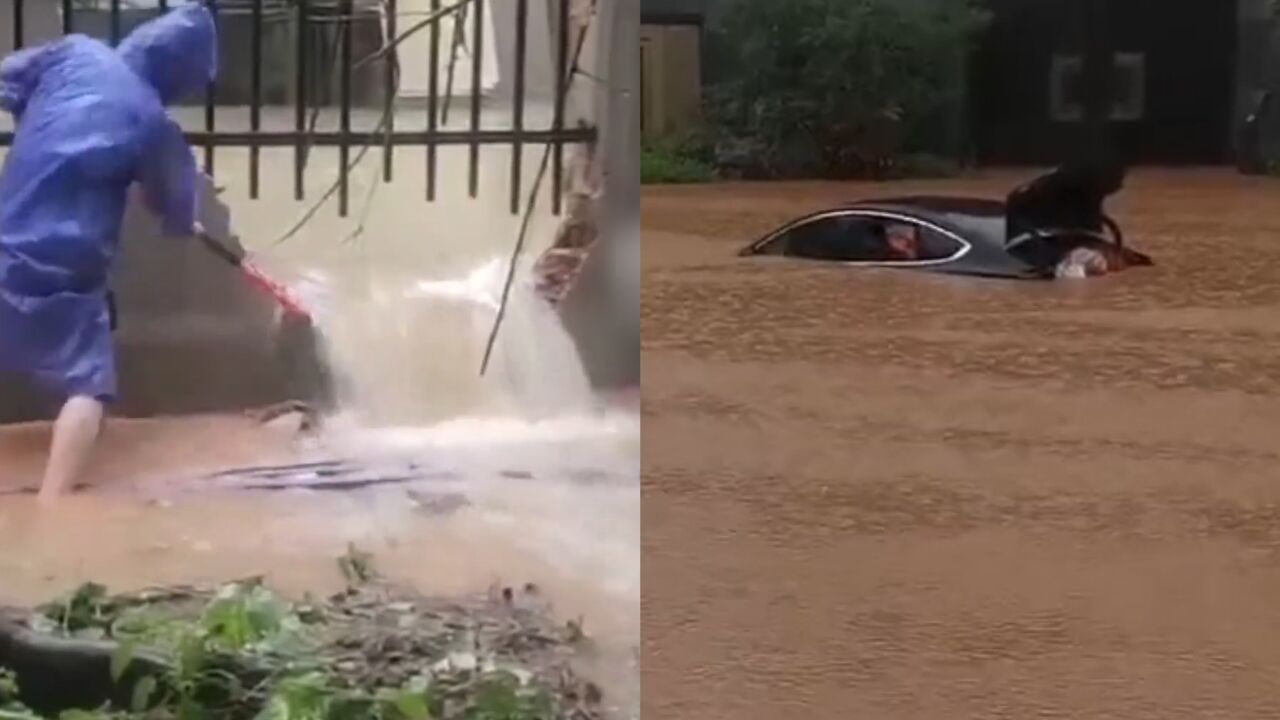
x=74, y=434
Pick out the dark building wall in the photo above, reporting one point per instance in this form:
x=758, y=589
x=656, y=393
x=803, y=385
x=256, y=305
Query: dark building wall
x=1204, y=62
x=658, y=10
x=1188, y=49
x=1258, y=67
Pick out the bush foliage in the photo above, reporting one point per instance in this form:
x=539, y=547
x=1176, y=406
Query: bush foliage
x=838, y=87
x=676, y=160
x=372, y=652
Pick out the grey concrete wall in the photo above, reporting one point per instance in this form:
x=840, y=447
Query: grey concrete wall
x=602, y=312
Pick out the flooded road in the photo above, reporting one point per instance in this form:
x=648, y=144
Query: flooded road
x=881, y=494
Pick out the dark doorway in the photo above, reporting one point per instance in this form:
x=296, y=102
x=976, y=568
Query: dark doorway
x=1148, y=80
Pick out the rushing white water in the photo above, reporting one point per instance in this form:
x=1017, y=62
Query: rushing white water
x=408, y=350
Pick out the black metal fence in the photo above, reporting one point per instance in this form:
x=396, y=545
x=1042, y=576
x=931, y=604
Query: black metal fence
x=338, y=23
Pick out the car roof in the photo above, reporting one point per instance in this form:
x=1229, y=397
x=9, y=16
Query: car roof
x=948, y=204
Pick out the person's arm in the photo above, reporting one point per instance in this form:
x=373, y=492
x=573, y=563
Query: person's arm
x=168, y=178
x=19, y=73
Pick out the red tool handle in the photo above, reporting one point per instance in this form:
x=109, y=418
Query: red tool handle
x=258, y=279
x=279, y=292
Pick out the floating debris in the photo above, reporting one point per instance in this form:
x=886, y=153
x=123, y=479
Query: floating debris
x=437, y=503
x=326, y=475
x=237, y=652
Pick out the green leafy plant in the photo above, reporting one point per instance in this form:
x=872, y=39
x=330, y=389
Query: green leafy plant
x=9, y=690
x=242, y=622
x=242, y=616
x=311, y=696
x=11, y=707
x=664, y=163
x=499, y=696
x=241, y=653
x=306, y=697
x=88, y=607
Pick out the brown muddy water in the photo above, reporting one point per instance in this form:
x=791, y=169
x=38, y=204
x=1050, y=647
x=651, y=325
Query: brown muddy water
x=553, y=502
x=879, y=494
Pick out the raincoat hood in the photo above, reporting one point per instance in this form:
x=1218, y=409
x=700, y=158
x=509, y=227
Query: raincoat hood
x=177, y=53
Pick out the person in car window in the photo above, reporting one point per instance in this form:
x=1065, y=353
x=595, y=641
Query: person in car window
x=902, y=241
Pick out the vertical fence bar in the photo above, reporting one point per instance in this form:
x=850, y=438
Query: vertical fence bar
x=255, y=100
x=210, y=112
x=67, y=25
x=517, y=102
x=115, y=22
x=210, y=124
x=392, y=63
x=346, y=8
x=164, y=6
x=557, y=122
x=477, y=67
x=18, y=24
x=433, y=99
x=300, y=104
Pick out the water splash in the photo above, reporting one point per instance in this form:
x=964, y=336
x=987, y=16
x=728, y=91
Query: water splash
x=407, y=350
x=484, y=433
x=483, y=286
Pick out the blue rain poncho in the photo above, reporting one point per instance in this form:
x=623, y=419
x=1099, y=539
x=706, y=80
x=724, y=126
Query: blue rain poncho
x=91, y=121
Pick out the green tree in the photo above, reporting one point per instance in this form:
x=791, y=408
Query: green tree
x=839, y=87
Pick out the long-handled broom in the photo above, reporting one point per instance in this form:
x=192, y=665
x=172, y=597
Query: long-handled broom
x=257, y=278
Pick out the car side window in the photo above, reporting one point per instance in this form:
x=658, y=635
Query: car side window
x=862, y=238
x=937, y=246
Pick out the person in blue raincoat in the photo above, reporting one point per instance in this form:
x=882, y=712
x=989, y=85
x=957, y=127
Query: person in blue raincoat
x=90, y=122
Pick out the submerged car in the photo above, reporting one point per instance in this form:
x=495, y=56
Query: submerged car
x=1053, y=226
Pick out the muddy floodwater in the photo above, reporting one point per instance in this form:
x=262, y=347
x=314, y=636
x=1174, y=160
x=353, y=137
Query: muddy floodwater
x=879, y=494
x=501, y=501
